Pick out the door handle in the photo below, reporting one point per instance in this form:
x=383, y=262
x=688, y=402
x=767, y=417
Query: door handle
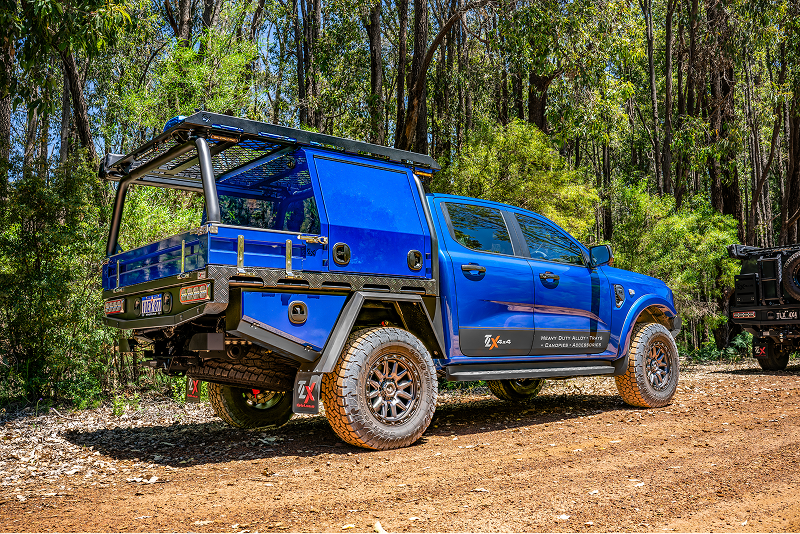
x=473, y=267
x=547, y=275
x=314, y=239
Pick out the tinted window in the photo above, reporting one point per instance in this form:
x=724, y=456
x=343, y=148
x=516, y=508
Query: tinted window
x=546, y=242
x=480, y=228
x=291, y=213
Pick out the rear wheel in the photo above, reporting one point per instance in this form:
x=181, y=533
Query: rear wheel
x=651, y=378
x=520, y=390
x=382, y=392
x=771, y=357
x=250, y=408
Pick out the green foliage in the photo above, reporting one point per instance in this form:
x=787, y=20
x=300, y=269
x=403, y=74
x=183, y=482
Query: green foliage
x=152, y=213
x=738, y=349
x=516, y=164
x=118, y=405
x=52, y=340
x=213, y=76
x=684, y=248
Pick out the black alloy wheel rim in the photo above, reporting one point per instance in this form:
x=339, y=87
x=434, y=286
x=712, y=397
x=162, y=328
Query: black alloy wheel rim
x=658, y=365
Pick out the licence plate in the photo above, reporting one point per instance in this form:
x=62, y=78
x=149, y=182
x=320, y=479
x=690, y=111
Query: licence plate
x=787, y=315
x=151, y=304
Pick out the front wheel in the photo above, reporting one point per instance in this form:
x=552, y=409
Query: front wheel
x=250, y=408
x=651, y=378
x=382, y=392
x=520, y=390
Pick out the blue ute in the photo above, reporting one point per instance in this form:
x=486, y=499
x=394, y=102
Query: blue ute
x=323, y=273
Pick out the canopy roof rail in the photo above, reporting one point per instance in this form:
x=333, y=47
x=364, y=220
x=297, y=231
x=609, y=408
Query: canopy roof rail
x=234, y=143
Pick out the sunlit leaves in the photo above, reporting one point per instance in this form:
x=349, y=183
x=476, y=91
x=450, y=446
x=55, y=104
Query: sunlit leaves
x=517, y=165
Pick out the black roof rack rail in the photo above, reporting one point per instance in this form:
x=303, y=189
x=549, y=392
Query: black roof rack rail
x=227, y=137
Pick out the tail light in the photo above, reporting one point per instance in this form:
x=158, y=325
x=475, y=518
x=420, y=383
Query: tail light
x=114, y=306
x=197, y=293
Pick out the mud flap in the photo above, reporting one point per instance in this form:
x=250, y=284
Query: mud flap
x=193, y=388
x=307, y=392
x=763, y=347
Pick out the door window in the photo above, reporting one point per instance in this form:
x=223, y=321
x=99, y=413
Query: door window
x=546, y=242
x=480, y=228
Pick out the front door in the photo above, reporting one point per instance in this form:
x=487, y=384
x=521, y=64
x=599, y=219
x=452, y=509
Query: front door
x=494, y=289
x=572, y=312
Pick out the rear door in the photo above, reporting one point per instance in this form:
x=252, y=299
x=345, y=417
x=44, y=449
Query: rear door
x=494, y=289
x=572, y=312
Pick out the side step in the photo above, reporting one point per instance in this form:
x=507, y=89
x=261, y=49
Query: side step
x=512, y=371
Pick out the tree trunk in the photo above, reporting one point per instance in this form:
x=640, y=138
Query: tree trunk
x=283, y=38
x=316, y=21
x=6, y=73
x=502, y=97
x=667, y=151
x=416, y=105
x=31, y=133
x=681, y=164
x=605, y=195
x=647, y=11
x=420, y=141
x=460, y=80
x=537, y=99
x=80, y=111
x=516, y=83
x=302, y=101
x=212, y=8
x=255, y=24
x=790, y=211
x=402, y=53
x=184, y=22
x=66, y=119
x=375, y=101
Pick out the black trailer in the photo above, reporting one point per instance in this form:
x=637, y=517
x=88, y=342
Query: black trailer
x=766, y=301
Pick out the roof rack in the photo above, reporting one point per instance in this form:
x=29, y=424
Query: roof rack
x=196, y=152
x=171, y=160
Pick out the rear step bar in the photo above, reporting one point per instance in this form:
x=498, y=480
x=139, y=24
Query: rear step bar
x=512, y=371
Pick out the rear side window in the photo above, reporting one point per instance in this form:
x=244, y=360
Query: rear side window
x=480, y=228
x=293, y=214
x=546, y=242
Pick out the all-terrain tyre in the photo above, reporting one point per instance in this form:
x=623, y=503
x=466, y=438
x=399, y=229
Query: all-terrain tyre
x=250, y=408
x=520, y=390
x=773, y=358
x=791, y=276
x=382, y=392
x=651, y=378
x=259, y=374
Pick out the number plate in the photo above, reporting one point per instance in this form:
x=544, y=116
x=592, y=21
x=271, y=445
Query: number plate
x=151, y=304
x=787, y=315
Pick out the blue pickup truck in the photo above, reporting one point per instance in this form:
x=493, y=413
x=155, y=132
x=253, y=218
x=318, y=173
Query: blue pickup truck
x=322, y=271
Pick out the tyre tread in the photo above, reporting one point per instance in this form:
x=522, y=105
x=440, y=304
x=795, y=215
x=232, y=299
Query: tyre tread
x=344, y=416
x=630, y=385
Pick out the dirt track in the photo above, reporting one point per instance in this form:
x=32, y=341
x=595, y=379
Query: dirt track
x=725, y=456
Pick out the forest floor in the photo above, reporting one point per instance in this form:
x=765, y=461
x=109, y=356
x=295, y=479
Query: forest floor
x=724, y=456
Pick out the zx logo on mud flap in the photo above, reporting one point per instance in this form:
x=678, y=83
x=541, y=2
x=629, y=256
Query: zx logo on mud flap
x=193, y=389
x=493, y=342
x=306, y=393
x=759, y=352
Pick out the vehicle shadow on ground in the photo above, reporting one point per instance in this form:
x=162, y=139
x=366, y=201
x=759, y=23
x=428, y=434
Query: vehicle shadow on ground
x=186, y=445
x=793, y=369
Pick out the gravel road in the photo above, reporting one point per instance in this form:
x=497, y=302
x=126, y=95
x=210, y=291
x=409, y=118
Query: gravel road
x=723, y=457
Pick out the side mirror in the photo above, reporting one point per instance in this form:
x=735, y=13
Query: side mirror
x=600, y=255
